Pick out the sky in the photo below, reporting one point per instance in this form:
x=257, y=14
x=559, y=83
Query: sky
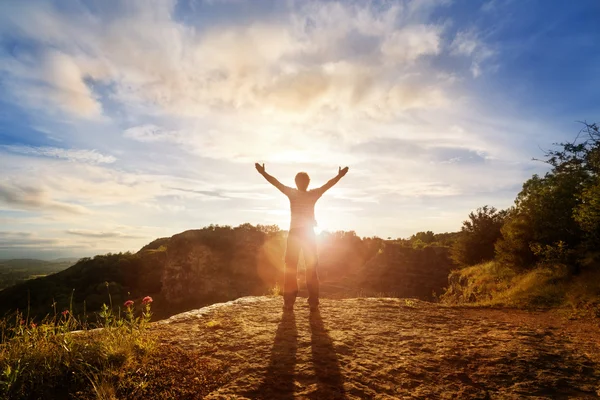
x=124, y=121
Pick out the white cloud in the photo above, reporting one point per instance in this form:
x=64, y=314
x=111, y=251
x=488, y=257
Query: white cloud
x=152, y=133
x=468, y=43
x=87, y=156
x=9, y=239
x=188, y=110
x=410, y=43
x=312, y=59
x=34, y=198
x=69, y=90
x=100, y=234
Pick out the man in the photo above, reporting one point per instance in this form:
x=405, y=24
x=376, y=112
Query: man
x=301, y=235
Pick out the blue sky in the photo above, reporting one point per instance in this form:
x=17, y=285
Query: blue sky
x=123, y=121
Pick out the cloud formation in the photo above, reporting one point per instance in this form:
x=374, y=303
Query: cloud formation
x=22, y=197
x=87, y=156
x=23, y=239
x=144, y=117
x=101, y=234
x=318, y=55
x=314, y=74
x=468, y=43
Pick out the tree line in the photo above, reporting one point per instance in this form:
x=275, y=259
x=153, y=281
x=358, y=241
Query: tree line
x=555, y=219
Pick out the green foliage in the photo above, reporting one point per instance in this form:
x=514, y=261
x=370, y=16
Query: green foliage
x=587, y=213
x=513, y=248
x=479, y=233
x=548, y=253
x=49, y=359
x=424, y=237
x=85, y=283
x=421, y=240
x=557, y=213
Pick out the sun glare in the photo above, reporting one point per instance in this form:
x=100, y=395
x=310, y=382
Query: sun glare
x=318, y=230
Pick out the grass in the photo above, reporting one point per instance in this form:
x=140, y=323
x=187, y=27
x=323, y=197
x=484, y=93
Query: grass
x=276, y=290
x=64, y=357
x=409, y=303
x=492, y=284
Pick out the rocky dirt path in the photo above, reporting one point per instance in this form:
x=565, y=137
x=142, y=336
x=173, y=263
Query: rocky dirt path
x=376, y=348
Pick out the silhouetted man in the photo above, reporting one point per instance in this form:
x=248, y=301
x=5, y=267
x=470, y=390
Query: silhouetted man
x=301, y=235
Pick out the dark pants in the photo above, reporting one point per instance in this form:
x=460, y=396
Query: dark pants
x=301, y=239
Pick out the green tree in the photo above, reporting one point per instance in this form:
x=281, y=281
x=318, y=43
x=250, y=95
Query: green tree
x=555, y=213
x=587, y=213
x=425, y=237
x=475, y=243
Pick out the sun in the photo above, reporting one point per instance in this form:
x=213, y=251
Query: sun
x=318, y=230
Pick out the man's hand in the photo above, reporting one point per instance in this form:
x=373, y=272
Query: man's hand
x=260, y=168
x=343, y=171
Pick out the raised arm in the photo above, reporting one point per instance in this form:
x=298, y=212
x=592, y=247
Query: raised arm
x=271, y=179
x=341, y=173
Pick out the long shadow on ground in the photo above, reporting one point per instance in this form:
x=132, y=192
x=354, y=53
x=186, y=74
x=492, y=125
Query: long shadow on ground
x=279, y=378
x=327, y=367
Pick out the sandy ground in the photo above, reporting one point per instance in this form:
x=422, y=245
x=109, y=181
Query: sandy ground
x=380, y=348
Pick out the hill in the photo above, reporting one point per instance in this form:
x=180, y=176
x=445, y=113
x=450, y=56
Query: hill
x=214, y=264
x=372, y=348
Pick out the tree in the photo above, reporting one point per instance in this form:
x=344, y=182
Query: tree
x=475, y=243
x=425, y=237
x=554, y=214
x=587, y=213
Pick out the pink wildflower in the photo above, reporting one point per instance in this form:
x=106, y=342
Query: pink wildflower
x=147, y=300
x=128, y=303
x=33, y=324
x=65, y=313
x=22, y=322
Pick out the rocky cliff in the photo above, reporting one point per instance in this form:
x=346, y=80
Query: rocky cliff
x=200, y=267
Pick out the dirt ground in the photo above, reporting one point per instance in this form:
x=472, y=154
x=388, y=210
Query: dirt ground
x=382, y=348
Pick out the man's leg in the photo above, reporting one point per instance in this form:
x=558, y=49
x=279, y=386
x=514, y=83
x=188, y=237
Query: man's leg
x=290, y=280
x=311, y=260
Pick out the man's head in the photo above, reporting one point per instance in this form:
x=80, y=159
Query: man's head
x=302, y=180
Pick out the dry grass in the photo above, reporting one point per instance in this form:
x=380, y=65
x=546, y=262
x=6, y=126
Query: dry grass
x=50, y=359
x=491, y=284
